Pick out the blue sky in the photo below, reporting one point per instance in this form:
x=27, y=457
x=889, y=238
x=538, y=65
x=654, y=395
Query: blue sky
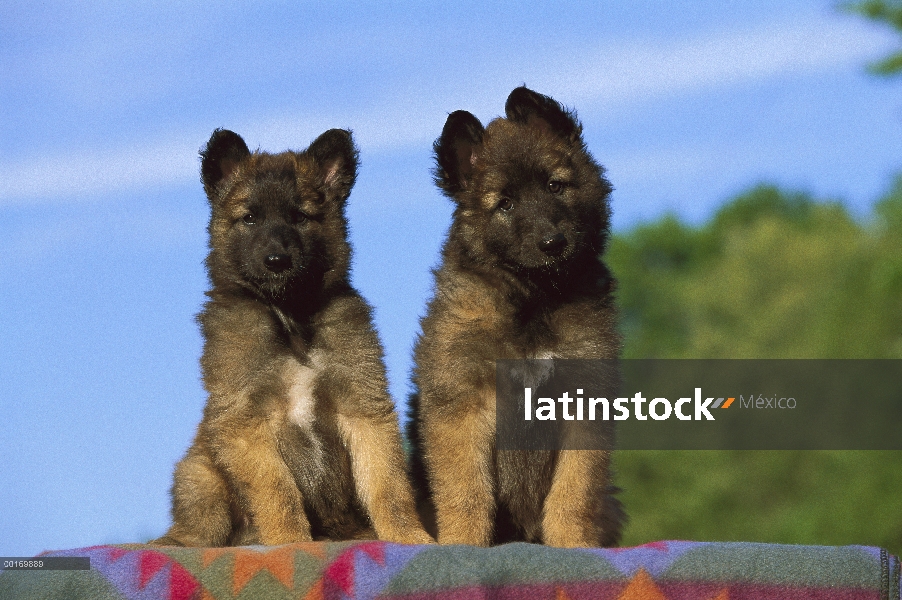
x=104, y=106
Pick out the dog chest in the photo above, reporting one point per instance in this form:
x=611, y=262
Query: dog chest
x=300, y=382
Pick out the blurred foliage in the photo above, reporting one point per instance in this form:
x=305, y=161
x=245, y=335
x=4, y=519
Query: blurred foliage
x=771, y=275
x=805, y=497
x=890, y=13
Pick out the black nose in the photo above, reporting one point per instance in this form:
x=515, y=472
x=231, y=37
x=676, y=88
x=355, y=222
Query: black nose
x=277, y=262
x=553, y=244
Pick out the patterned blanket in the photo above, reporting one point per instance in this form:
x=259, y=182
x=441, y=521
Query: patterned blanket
x=356, y=570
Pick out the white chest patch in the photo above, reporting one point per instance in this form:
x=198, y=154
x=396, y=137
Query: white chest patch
x=301, y=382
x=535, y=370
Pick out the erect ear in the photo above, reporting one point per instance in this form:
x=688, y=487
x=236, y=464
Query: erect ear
x=221, y=157
x=536, y=110
x=456, y=150
x=335, y=157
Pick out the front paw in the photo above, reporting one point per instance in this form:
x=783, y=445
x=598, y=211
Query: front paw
x=285, y=536
x=568, y=535
x=569, y=542
x=465, y=537
x=412, y=535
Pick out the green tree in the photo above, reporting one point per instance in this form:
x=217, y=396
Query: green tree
x=772, y=274
x=890, y=13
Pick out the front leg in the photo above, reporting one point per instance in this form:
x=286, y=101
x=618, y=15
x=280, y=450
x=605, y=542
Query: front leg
x=248, y=452
x=200, y=503
x=379, y=475
x=458, y=456
x=579, y=510
x=573, y=504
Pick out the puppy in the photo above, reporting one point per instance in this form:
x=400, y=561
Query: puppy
x=299, y=438
x=521, y=278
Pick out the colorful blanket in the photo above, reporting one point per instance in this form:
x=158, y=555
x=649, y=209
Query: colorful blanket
x=356, y=570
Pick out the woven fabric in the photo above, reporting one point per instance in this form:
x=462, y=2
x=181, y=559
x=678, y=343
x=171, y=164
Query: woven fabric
x=667, y=570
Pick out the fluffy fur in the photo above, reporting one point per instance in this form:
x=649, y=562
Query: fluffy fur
x=521, y=278
x=299, y=438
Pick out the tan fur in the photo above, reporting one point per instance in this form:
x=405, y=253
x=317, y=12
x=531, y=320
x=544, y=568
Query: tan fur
x=498, y=297
x=299, y=438
x=464, y=441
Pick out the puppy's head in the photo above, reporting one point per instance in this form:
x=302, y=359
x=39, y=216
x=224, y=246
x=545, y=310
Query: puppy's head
x=529, y=196
x=277, y=220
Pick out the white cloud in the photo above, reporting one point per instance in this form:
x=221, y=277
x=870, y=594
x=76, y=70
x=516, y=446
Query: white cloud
x=83, y=173
x=637, y=71
x=615, y=74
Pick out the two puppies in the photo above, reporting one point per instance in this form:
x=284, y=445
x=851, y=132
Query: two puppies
x=299, y=439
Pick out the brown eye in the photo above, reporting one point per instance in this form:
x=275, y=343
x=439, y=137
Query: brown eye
x=555, y=186
x=249, y=219
x=506, y=204
x=298, y=217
